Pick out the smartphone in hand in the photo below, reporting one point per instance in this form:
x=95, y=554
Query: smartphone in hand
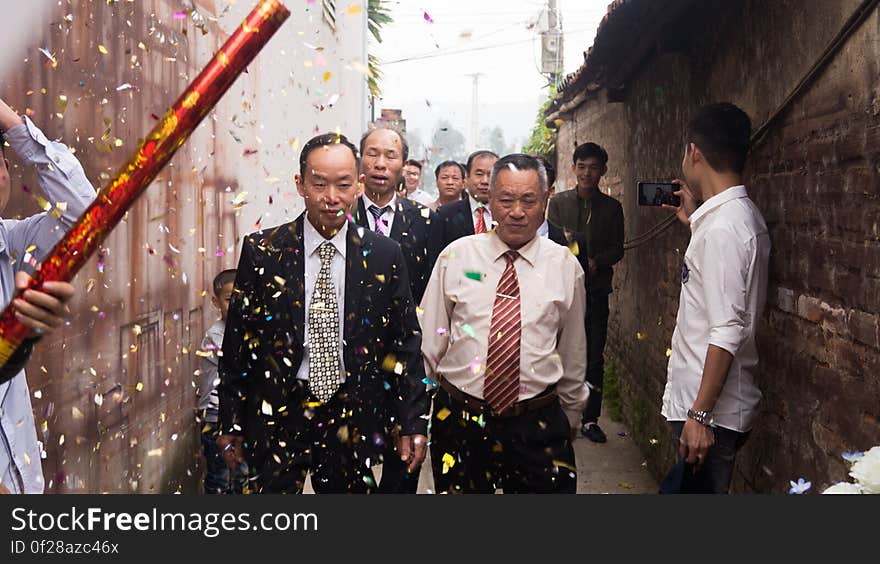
x=658, y=193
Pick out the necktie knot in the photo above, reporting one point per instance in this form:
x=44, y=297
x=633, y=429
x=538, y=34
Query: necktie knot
x=326, y=250
x=511, y=256
x=377, y=213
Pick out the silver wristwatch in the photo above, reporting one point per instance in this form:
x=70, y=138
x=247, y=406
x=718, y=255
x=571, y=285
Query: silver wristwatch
x=701, y=417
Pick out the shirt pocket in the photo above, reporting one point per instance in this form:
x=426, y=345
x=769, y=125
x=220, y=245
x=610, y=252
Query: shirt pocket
x=540, y=316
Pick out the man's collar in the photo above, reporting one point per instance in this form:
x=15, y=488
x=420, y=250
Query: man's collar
x=368, y=202
x=716, y=201
x=529, y=251
x=475, y=204
x=590, y=195
x=312, y=239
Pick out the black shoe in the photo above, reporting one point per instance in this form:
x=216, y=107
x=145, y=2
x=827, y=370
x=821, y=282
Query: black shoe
x=593, y=432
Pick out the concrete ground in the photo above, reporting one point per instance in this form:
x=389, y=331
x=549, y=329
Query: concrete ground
x=614, y=467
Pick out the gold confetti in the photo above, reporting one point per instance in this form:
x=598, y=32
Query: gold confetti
x=448, y=462
x=103, y=50
x=389, y=363
x=443, y=414
x=354, y=9
x=327, y=76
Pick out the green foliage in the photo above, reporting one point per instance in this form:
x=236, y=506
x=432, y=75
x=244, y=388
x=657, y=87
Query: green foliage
x=543, y=139
x=611, y=400
x=378, y=16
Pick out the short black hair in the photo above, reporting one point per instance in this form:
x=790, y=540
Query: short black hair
x=222, y=279
x=590, y=151
x=722, y=131
x=413, y=162
x=447, y=164
x=520, y=161
x=325, y=140
x=551, y=170
x=477, y=155
x=386, y=128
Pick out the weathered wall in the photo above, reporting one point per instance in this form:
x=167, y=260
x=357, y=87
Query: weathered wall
x=815, y=178
x=113, y=392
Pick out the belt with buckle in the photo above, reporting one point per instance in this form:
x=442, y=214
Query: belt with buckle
x=476, y=405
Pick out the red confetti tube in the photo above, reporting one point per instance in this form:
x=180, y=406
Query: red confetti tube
x=90, y=230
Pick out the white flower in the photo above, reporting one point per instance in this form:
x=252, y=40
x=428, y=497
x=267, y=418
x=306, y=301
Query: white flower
x=843, y=488
x=866, y=471
x=799, y=487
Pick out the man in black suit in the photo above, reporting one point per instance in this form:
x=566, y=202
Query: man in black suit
x=321, y=335
x=600, y=218
x=383, y=152
x=470, y=215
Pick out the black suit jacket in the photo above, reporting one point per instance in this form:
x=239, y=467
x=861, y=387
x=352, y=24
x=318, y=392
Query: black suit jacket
x=456, y=221
x=565, y=238
x=414, y=229
x=606, y=232
x=262, y=345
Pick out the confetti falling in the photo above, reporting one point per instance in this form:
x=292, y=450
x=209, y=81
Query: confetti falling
x=86, y=235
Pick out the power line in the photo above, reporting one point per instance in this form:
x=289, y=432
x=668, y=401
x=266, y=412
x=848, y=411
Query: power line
x=469, y=49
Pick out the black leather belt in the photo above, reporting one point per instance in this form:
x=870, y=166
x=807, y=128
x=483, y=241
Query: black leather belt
x=478, y=406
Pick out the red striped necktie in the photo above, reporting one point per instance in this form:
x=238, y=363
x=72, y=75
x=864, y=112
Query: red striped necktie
x=481, y=221
x=501, y=386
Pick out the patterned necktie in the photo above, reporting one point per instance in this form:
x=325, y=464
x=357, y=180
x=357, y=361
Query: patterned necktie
x=501, y=385
x=324, y=331
x=481, y=220
x=377, y=213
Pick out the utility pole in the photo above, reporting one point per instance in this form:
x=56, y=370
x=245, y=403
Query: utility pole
x=551, y=45
x=475, y=110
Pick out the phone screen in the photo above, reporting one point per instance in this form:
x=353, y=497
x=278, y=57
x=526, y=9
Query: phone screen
x=658, y=193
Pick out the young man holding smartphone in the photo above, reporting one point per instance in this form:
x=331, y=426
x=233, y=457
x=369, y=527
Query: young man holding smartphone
x=711, y=397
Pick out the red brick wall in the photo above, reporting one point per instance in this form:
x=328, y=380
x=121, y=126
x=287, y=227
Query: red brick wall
x=816, y=178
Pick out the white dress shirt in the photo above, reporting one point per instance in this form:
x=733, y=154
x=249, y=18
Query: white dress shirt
x=456, y=316
x=387, y=217
x=487, y=215
x=544, y=230
x=723, y=291
x=61, y=179
x=311, y=241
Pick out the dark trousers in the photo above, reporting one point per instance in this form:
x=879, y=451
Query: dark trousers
x=715, y=475
x=395, y=478
x=321, y=442
x=216, y=471
x=531, y=453
x=597, y=332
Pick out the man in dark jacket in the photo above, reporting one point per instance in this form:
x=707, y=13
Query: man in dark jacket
x=600, y=218
x=321, y=336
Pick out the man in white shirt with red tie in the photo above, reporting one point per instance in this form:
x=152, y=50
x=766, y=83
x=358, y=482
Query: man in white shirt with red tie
x=711, y=397
x=503, y=319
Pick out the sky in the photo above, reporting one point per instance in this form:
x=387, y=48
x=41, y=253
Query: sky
x=434, y=45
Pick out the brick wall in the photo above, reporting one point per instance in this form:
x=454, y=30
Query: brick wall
x=816, y=178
